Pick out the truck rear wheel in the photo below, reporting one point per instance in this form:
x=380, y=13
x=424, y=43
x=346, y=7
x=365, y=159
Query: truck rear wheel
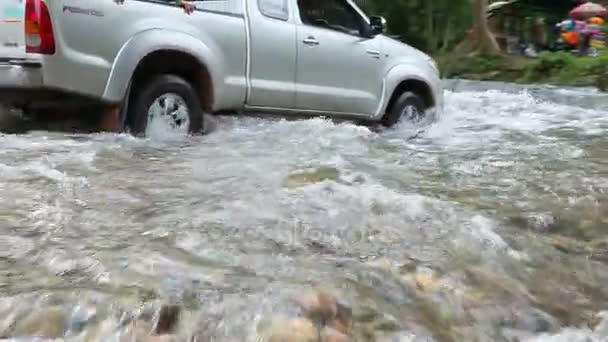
x=165, y=103
x=409, y=107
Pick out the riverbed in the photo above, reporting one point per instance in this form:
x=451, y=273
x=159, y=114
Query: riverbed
x=487, y=225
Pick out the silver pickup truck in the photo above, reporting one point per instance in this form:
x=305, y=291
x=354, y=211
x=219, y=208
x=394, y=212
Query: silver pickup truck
x=152, y=62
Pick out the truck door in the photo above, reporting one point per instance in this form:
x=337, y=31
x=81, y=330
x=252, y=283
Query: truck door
x=338, y=69
x=12, y=32
x=273, y=54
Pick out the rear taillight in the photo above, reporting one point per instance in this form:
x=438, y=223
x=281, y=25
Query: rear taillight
x=39, y=36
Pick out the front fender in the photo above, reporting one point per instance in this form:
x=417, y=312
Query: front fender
x=149, y=41
x=408, y=71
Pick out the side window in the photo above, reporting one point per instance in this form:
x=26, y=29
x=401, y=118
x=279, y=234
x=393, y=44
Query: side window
x=276, y=9
x=332, y=14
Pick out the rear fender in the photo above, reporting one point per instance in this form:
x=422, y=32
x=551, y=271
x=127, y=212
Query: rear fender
x=147, y=42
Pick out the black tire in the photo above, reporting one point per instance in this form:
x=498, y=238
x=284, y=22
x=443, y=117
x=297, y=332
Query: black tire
x=154, y=88
x=407, y=99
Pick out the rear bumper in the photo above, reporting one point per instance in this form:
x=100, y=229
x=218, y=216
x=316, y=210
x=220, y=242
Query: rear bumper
x=23, y=85
x=20, y=76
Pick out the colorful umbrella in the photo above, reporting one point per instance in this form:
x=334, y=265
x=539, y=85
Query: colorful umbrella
x=588, y=10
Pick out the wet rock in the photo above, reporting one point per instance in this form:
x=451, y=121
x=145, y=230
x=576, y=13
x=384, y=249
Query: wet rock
x=320, y=248
x=408, y=266
x=511, y=334
x=80, y=318
x=136, y=331
x=333, y=335
x=325, y=310
x=426, y=282
x=599, y=250
x=141, y=331
x=568, y=245
x=303, y=178
x=168, y=319
x=160, y=338
x=402, y=336
x=47, y=323
x=601, y=328
x=100, y=332
x=207, y=327
x=289, y=330
x=535, y=321
x=364, y=313
x=344, y=320
x=319, y=306
x=386, y=323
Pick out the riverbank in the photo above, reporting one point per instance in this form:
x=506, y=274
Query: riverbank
x=555, y=68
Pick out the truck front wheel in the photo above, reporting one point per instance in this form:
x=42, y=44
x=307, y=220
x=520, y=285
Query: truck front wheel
x=409, y=107
x=165, y=104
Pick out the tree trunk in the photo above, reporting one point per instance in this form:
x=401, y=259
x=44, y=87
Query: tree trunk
x=486, y=43
x=447, y=35
x=480, y=39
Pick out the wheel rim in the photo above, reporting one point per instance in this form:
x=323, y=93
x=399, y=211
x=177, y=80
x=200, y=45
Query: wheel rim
x=168, y=114
x=411, y=113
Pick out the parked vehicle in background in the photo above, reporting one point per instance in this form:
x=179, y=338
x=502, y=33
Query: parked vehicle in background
x=157, y=64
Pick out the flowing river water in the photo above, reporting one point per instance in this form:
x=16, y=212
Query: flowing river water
x=488, y=225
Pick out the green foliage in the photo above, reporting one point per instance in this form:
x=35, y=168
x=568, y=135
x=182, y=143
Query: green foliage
x=560, y=68
x=549, y=64
x=429, y=25
x=566, y=68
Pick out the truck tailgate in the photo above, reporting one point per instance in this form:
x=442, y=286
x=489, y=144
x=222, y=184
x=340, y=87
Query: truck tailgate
x=12, y=35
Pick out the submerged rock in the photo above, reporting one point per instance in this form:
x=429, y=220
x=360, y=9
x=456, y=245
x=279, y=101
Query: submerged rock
x=319, y=306
x=160, y=338
x=81, y=317
x=426, y=282
x=303, y=178
x=168, y=319
x=100, y=332
x=136, y=330
x=325, y=310
x=47, y=323
x=289, y=330
x=140, y=331
x=333, y=335
x=344, y=320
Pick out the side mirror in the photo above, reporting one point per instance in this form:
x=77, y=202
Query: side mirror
x=377, y=24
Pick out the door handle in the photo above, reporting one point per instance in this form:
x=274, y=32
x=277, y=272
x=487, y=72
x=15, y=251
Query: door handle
x=374, y=53
x=311, y=41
